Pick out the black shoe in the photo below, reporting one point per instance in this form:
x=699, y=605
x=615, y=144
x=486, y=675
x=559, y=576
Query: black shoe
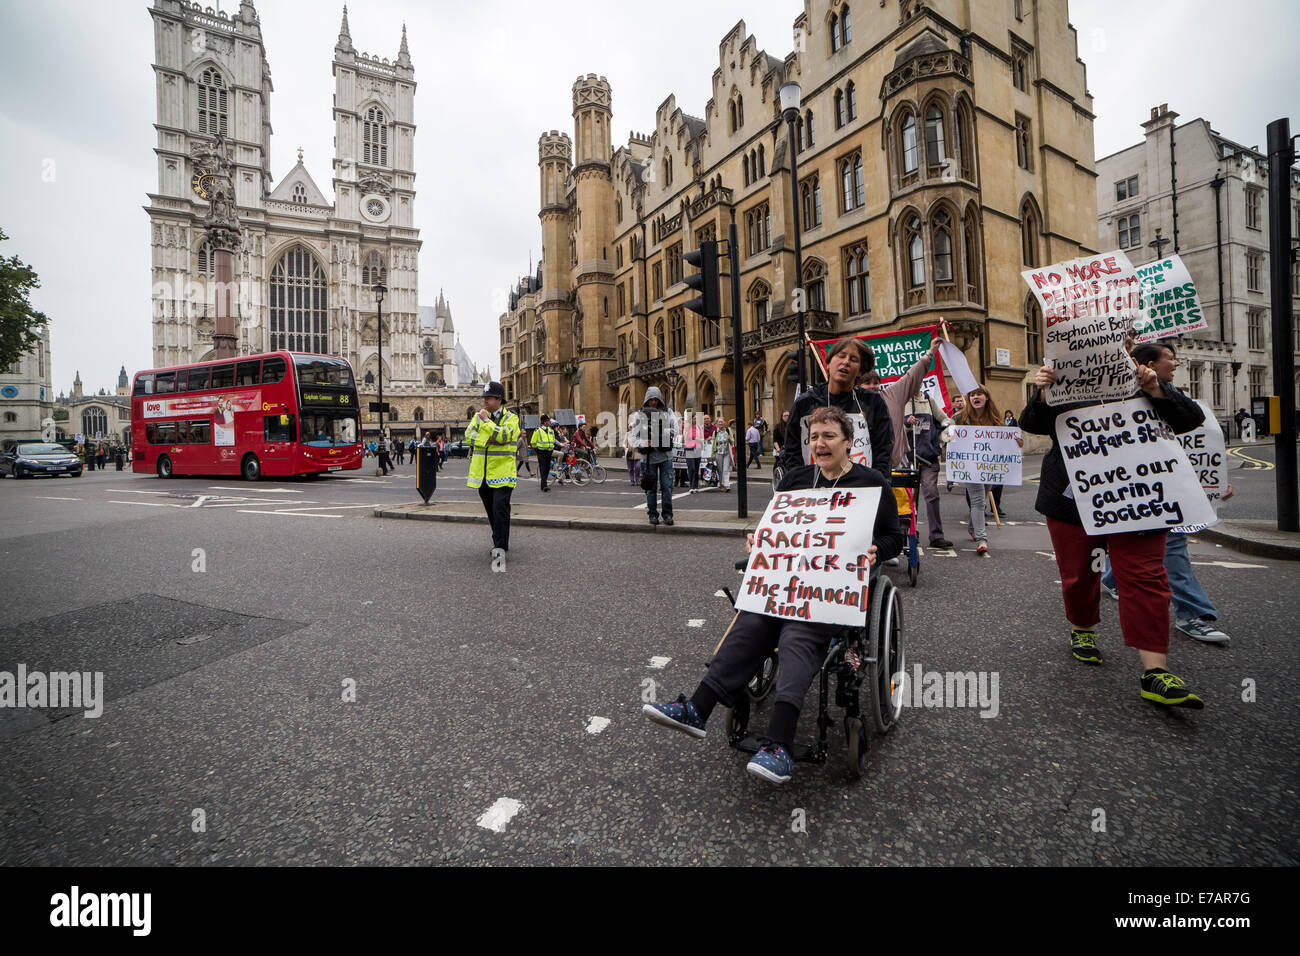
x=668, y=520
x=1083, y=644
x=1161, y=687
x=941, y=543
x=654, y=522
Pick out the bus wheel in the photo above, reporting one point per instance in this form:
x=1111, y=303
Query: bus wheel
x=251, y=468
x=164, y=466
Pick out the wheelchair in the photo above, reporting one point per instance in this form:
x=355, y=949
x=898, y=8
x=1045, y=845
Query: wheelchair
x=866, y=662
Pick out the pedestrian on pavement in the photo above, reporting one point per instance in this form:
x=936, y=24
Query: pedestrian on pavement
x=1194, y=613
x=655, y=432
x=846, y=362
x=491, y=436
x=543, y=442
x=1137, y=556
x=724, y=444
x=399, y=450
x=802, y=646
x=692, y=442
x=442, y=450
x=753, y=438
x=980, y=410
x=385, y=462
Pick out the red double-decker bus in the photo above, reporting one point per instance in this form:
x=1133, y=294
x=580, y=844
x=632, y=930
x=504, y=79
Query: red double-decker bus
x=282, y=413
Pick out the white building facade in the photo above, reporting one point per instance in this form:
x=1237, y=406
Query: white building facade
x=1219, y=192
x=26, y=399
x=306, y=264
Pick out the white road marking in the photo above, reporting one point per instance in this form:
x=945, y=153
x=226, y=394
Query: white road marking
x=943, y=553
x=131, y=491
x=719, y=593
x=366, y=481
x=499, y=814
x=1227, y=564
x=597, y=725
x=198, y=502
x=148, y=504
x=659, y=663
x=1046, y=554
x=54, y=498
x=695, y=622
x=291, y=514
x=260, y=491
x=284, y=511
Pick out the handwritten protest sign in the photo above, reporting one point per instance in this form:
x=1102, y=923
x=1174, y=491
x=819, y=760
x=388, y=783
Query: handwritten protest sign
x=1170, y=305
x=983, y=455
x=809, y=560
x=1128, y=471
x=1088, y=305
x=1206, y=452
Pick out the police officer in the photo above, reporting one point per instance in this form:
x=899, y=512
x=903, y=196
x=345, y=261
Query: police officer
x=543, y=442
x=491, y=436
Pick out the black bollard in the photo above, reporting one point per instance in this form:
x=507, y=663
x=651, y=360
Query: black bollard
x=426, y=472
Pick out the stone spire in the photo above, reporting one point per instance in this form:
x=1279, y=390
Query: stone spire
x=345, y=35
x=404, y=54
x=76, y=387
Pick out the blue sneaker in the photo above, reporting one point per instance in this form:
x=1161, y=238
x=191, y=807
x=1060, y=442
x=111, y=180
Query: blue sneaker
x=679, y=715
x=772, y=763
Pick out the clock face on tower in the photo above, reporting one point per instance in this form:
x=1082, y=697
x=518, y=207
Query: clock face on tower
x=201, y=183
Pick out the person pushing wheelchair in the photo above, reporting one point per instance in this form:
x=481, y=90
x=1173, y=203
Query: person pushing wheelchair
x=802, y=646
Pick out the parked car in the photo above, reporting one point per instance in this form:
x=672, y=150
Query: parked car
x=458, y=449
x=24, y=459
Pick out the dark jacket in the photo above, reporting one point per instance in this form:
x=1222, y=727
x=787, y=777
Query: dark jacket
x=1178, y=411
x=886, y=536
x=879, y=425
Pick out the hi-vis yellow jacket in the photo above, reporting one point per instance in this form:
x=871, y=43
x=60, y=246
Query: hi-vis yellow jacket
x=492, y=446
x=543, y=438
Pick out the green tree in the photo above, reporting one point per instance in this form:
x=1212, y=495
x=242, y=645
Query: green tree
x=20, y=324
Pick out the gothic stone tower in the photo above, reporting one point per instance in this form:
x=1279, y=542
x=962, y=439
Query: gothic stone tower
x=593, y=275
x=554, y=157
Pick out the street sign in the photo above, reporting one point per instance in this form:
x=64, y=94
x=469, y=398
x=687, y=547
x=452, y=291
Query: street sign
x=80, y=437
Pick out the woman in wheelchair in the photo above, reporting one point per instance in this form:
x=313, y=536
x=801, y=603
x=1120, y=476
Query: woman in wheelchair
x=802, y=646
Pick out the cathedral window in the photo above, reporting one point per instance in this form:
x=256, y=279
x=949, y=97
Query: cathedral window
x=214, y=113
x=300, y=194
x=853, y=190
x=909, y=144
x=934, y=151
x=375, y=138
x=857, y=278
x=373, y=271
x=299, y=303
x=207, y=263
x=814, y=283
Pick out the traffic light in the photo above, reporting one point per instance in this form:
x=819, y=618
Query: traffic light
x=709, y=301
x=792, y=373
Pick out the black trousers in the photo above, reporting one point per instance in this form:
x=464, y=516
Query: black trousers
x=544, y=466
x=385, y=463
x=496, y=502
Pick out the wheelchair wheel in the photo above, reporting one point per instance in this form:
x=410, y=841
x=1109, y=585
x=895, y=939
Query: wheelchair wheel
x=778, y=472
x=762, y=683
x=735, y=721
x=883, y=683
x=855, y=733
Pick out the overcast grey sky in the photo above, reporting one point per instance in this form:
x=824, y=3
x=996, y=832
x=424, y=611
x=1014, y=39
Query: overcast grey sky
x=77, y=106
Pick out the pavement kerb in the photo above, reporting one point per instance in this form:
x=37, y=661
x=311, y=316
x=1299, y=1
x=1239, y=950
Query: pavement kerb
x=734, y=527
x=1258, y=538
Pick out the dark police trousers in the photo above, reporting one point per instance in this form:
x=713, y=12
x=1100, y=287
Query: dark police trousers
x=496, y=502
x=544, y=466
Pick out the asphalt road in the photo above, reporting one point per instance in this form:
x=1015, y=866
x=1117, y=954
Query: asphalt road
x=224, y=693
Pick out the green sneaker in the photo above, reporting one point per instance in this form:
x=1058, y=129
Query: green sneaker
x=1083, y=644
x=1161, y=687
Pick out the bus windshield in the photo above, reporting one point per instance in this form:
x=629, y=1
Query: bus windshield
x=327, y=428
x=318, y=370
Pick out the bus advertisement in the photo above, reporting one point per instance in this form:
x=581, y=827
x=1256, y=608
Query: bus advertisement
x=278, y=414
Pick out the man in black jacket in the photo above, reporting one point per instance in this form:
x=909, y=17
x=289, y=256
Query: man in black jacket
x=846, y=362
x=1138, y=557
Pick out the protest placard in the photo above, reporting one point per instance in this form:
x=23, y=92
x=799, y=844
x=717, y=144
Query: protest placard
x=983, y=455
x=1088, y=305
x=1170, y=304
x=1128, y=471
x=1206, y=452
x=809, y=560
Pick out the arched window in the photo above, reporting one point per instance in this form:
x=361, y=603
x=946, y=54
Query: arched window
x=810, y=195
x=744, y=165
x=618, y=214
x=375, y=138
x=908, y=143
x=851, y=101
x=214, y=114
x=762, y=162
x=964, y=141
x=846, y=26
x=418, y=414
x=853, y=193
x=760, y=294
x=299, y=303
x=970, y=250
x=94, y=423
x=1033, y=332
x=941, y=243
x=857, y=279
x=659, y=339
x=373, y=271
x=934, y=154
x=207, y=263
x=808, y=117
x=814, y=284
x=839, y=109
x=915, y=252
x=300, y=194
x=1029, y=229
x=835, y=32
x=731, y=107
x=740, y=111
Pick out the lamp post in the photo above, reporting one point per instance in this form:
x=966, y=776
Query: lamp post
x=790, y=94
x=379, y=289
x=1158, y=244
x=673, y=378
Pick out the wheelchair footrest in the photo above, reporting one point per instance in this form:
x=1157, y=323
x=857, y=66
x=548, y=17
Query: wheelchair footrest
x=801, y=753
